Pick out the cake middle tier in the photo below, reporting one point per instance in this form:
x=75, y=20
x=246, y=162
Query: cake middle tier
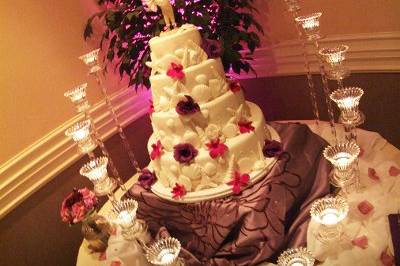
x=243, y=154
x=221, y=114
x=203, y=82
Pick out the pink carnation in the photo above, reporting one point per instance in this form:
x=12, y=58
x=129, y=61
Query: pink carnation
x=361, y=242
x=216, y=148
x=245, y=126
x=175, y=71
x=178, y=191
x=156, y=150
x=238, y=181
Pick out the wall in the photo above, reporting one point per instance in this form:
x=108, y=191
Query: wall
x=40, y=43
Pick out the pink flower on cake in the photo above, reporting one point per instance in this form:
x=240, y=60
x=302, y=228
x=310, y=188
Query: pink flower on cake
x=245, y=126
x=361, y=242
x=365, y=207
x=147, y=179
x=156, y=150
x=272, y=148
x=216, y=148
x=372, y=174
x=238, y=181
x=175, y=71
x=235, y=86
x=185, y=153
x=394, y=171
x=151, y=107
x=386, y=258
x=115, y=263
x=178, y=191
x=187, y=107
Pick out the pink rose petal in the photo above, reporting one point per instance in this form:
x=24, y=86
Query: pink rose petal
x=394, y=171
x=365, y=207
x=361, y=242
x=386, y=258
x=115, y=263
x=372, y=174
x=102, y=256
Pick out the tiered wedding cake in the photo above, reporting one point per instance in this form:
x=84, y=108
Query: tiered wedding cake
x=204, y=130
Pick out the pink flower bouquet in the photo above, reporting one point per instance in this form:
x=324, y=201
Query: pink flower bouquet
x=77, y=205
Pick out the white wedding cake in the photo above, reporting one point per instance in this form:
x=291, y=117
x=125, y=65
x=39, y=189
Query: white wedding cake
x=204, y=129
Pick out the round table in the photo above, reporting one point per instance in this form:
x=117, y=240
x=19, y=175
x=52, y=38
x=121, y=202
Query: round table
x=382, y=190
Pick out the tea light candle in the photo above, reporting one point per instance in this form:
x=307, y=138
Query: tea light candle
x=125, y=218
x=80, y=133
x=296, y=257
x=310, y=24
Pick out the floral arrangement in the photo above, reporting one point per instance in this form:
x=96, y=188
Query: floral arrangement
x=77, y=205
x=227, y=27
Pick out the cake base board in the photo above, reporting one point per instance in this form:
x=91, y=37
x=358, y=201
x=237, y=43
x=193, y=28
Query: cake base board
x=221, y=191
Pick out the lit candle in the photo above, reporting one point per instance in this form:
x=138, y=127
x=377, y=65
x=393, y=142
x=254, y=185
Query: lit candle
x=125, y=218
x=330, y=216
x=342, y=158
x=166, y=256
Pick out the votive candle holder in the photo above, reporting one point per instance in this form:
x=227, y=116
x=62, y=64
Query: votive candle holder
x=310, y=24
x=329, y=213
x=342, y=156
x=335, y=56
x=165, y=252
x=80, y=132
x=296, y=257
x=91, y=60
x=348, y=100
x=96, y=171
x=77, y=95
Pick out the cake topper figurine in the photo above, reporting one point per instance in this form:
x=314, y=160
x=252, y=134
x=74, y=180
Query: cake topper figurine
x=166, y=9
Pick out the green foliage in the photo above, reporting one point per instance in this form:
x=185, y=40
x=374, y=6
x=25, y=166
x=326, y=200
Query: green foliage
x=129, y=27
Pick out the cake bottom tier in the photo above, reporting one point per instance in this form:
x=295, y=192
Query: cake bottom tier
x=205, y=173
x=256, y=225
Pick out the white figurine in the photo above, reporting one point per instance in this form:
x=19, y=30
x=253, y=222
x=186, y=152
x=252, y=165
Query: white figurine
x=166, y=9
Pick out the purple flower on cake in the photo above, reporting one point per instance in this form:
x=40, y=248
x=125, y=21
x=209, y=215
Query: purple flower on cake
x=147, y=179
x=213, y=48
x=178, y=191
x=187, y=107
x=245, y=126
x=185, y=153
x=216, y=148
x=272, y=148
x=175, y=71
x=238, y=181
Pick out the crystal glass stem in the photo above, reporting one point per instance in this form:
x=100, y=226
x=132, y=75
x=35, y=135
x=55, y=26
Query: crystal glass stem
x=124, y=139
x=326, y=92
x=105, y=153
x=310, y=82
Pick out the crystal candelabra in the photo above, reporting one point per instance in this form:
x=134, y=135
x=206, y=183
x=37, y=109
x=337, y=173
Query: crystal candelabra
x=329, y=212
x=335, y=56
x=310, y=25
x=96, y=171
x=293, y=7
x=342, y=156
x=165, y=252
x=348, y=99
x=77, y=95
x=296, y=257
x=124, y=215
x=80, y=133
x=91, y=60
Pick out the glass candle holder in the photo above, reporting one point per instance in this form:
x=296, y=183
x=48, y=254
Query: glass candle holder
x=80, y=133
x=164, y=252
x=96, y=171
x=292, y=5
x=310, y=25
x=335, y=56
x=296, y=257
x=342, y=156
x=124, y=215
x=329, y=212
x=91, y=60
x=77, y=95
x=347, y=100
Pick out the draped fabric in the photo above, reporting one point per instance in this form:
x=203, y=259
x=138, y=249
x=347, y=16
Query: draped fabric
x=256, y=225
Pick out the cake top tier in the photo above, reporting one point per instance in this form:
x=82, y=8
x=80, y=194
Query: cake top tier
x=170, y=42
